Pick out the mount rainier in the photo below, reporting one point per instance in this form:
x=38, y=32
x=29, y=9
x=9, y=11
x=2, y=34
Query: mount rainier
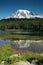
x=24, y=14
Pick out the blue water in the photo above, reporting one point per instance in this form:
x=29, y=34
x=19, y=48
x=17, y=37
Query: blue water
x=12, y=32
x=2, y=41
x=3, y=31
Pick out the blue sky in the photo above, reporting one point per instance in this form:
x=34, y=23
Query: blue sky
x=7, y=7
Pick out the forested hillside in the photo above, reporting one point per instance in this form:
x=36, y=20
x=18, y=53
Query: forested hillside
x=30, y=25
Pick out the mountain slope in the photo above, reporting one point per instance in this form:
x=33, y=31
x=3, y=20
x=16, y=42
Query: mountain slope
x=24, y=14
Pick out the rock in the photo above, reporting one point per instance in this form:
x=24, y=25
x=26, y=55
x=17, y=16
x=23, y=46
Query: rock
x=3, y=62
x=34, y=62
x=23, y=63
x=15, y=55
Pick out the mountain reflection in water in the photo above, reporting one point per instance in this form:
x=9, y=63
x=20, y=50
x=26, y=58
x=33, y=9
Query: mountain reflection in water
x=24, y=45
x=27, y=45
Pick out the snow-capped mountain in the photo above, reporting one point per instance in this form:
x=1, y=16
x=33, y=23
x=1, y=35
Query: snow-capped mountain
x=24, y=14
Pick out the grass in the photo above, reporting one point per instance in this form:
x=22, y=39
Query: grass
x=20, y=37
x=6, y=51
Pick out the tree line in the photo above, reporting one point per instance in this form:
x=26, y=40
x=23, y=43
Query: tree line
x=31, y=25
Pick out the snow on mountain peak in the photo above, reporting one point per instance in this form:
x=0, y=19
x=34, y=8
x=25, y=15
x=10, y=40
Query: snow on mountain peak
x=23, y=14
x=23, y=11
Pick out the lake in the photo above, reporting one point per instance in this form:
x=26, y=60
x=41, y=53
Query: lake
x=14, y=32
x=25, y=45
x=3, y=41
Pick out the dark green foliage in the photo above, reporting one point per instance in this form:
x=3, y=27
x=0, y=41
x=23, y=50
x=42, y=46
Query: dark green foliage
x=29, y=25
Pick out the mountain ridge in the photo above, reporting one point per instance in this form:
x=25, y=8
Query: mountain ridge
x=23, y=14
